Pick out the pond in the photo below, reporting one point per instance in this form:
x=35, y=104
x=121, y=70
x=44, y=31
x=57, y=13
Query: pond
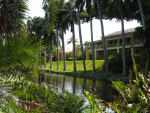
x=77, y=86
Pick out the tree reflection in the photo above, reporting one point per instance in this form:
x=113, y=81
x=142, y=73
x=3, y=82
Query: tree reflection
x=74, y=85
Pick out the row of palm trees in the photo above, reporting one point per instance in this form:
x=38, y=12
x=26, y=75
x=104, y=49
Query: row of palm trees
x=61, y=15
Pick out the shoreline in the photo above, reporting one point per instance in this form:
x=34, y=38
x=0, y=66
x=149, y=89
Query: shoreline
x=89, y=76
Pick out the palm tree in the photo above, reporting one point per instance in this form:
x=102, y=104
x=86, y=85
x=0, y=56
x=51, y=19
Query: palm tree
x=74, y=55
x=142, y=14
x=103, y=39
x=122, y=9
x=79, y=4
x=39, y=27
x=65, y=20
x=123, y=42
x=71, y=19
x=51, y=13
x=50, y=52
x=88, y=5
x=12, y=14
x=57, y=50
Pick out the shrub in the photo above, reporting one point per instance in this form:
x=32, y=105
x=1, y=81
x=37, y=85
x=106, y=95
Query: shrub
x=70, y=59
x=135, y=96
x=143, y=62
x=79, y=56
x=115, y=63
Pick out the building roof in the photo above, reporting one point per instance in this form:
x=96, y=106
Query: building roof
x=117, y=34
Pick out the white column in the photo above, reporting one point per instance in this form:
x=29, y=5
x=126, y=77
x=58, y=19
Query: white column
x=132, y=48
x=95, y=51
x=118, y=46
x=86, y=52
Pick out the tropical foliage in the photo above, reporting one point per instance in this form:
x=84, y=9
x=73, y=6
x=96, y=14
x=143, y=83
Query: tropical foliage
x=23, y=95
x=135, y=96
x=12, y=15
x=20, y=56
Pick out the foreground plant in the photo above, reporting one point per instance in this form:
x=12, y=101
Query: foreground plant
x=135, y=96
x=96, y=104
x=22, y=95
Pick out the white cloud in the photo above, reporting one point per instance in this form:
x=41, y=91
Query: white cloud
x=35, y=7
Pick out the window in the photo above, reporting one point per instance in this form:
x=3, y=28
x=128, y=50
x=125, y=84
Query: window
x=120, y=41
x=110, y=42
x=128, y=39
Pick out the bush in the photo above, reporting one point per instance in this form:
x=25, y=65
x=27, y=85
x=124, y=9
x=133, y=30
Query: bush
x=70, y=59
x=143, y=62
x=135, y=96
x=115, y=63
x=79, y=57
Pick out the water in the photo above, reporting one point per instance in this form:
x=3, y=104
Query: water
x=77, y=86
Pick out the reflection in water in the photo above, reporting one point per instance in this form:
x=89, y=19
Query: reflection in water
x=74, y=85
x=64, y=80
x=94, y=83
x=84, y=86
x=57, y=84
x=77, y=85
x=50, y=79
x=45, y=77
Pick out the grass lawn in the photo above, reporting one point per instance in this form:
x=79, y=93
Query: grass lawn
x=80, y=70
x=79, y=65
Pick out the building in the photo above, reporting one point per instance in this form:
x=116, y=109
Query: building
x=114, y=45
x=54, y=58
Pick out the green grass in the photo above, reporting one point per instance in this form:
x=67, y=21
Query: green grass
x=80, y=70
x=79, y=65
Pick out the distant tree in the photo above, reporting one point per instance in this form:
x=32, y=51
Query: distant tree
x=12, y=15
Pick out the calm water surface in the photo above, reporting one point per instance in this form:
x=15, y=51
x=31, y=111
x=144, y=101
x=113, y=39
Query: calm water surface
x=78, y=85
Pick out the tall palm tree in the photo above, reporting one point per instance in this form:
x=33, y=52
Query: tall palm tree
x=62, y=33
x=88, y=5
x=57, y=50
x=121, y=9
x=103, y=38
x=63, y=48
x=79, y=5
x=38, y=26
x=67, y=18
x=123, y=42
x=142, y=14
x=74, y=55
x=51, y=12
x=71, y=20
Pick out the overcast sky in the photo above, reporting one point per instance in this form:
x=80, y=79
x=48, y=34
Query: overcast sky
x=35, y=7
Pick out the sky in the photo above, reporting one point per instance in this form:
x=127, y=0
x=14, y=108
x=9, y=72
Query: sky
x=109, y=26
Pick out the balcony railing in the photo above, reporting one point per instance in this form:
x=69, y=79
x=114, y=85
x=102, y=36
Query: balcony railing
x=111, y=45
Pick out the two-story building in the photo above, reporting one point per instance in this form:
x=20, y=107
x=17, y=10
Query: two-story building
x=114, y=45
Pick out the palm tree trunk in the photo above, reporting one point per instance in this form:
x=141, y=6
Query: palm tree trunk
x=74, y=56
x=63, y=47
x=50, y=53
x=103, y=39
x=142, y=14
x=123, y=44
x=91, y=27
x=80, y=35
x=57, y=51
x=45, y=55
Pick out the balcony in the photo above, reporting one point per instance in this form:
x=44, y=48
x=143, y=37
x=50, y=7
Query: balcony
x=112, y=45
